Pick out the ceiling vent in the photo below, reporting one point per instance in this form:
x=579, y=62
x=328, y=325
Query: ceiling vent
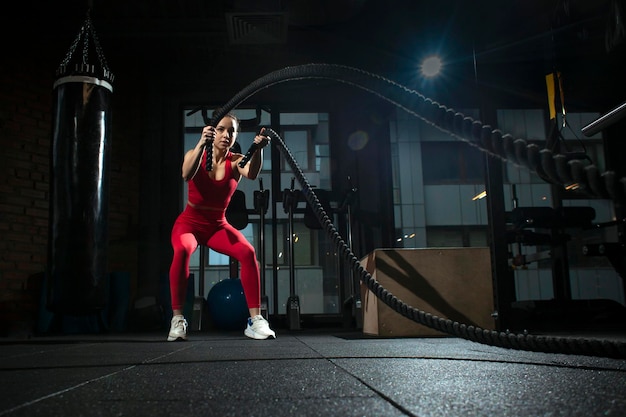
x=257, y=28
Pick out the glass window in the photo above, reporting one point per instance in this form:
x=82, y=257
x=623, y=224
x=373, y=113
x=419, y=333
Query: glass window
x=462, y=236
x=298, y=143
x=438, y=238
x=452, y=162
x=303, y=246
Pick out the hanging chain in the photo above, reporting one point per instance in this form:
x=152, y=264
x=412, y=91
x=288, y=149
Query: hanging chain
x=86, y=34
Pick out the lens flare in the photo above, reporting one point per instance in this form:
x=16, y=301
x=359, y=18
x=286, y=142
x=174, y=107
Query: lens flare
x=358, y=140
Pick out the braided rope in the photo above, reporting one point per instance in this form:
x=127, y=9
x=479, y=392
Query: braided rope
x=553, y=168
x=489, y=140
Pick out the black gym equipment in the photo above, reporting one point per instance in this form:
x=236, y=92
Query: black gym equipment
x=290, y=202
x=606, y=120
x=79, y=185
x=353, y=301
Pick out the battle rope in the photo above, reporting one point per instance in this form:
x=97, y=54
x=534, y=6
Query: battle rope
x=473, y=131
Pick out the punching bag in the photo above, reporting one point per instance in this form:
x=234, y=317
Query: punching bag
x=79, y=182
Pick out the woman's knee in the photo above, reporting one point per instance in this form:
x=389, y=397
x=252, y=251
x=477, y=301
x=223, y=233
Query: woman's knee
x=246, y=254
x=182, y=253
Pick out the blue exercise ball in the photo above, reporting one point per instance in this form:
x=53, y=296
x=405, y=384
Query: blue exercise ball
x=227, y=305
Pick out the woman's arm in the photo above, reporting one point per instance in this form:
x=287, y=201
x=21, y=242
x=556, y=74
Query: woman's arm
x=192, y=159
x=252, y=169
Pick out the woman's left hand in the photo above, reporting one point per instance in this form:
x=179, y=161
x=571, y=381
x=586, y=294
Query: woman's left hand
x=261, y=139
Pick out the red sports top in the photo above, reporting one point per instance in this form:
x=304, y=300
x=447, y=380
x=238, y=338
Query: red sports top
x=207, y=192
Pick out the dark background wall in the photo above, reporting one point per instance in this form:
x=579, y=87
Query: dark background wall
x=167, y=54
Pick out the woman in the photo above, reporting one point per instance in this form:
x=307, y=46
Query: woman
x=204, y=221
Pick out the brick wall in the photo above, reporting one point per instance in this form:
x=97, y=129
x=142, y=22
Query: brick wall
x=25, y=120
x=25, y=135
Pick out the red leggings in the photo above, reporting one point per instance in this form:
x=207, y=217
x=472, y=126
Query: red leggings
x=210, y=228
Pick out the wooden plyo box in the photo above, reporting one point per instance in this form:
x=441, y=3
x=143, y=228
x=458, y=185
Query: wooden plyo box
x=453, y=283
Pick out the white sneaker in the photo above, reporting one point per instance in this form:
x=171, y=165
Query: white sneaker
x=178, y=329
x=258, y=328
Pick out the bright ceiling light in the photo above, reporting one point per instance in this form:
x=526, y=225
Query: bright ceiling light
x=431, y=66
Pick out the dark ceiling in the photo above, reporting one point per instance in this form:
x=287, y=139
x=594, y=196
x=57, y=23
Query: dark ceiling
x=513, y=43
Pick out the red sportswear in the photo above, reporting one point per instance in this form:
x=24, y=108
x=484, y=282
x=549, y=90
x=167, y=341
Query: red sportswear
x=200, y=226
